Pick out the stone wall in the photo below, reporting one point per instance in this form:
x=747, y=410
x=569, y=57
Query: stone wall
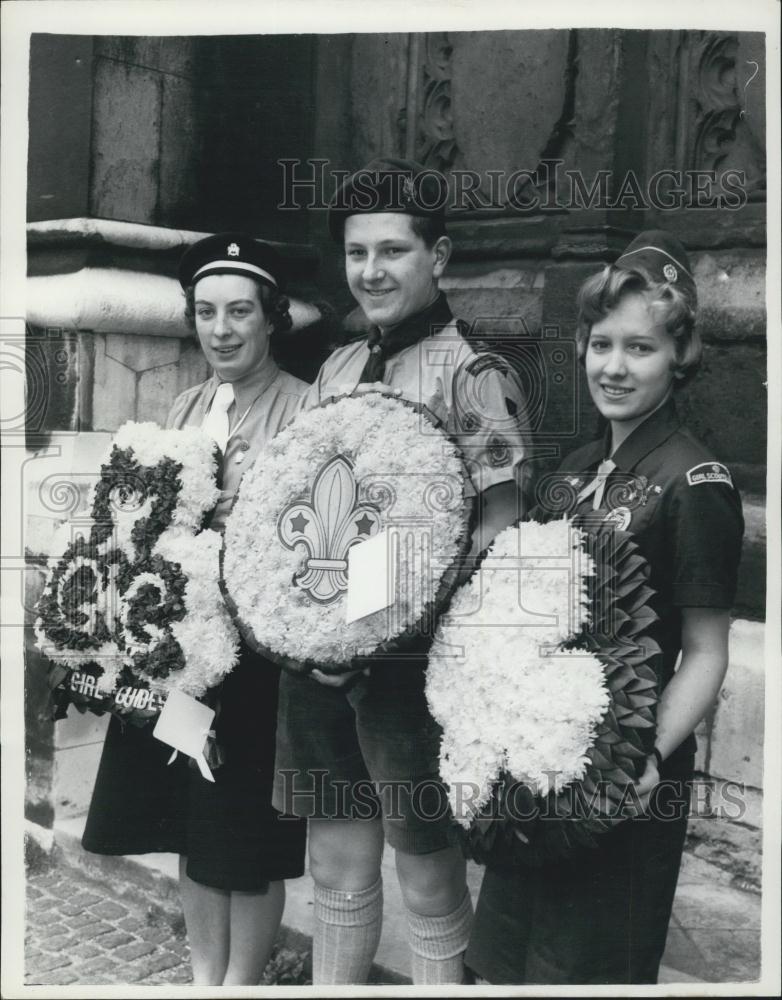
x=727, y=823
x=114, y=128
x=145, y=128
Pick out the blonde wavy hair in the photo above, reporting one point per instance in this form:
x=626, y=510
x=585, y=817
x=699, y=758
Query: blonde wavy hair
x=602, y=293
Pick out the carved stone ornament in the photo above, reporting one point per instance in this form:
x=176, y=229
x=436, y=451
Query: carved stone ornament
x=723, y=137
x=436, y=145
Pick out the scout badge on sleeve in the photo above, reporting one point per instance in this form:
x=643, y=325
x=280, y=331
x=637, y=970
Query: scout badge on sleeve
x=709, y=472
x=368, y=469
x=544, y=679
x=134, y=610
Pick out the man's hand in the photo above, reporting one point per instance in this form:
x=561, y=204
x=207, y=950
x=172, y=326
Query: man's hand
x=336, y=680
x=387, y=390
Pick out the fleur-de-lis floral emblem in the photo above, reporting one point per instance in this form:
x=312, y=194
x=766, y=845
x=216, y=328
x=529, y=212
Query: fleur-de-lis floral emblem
x=232, y=250
x=327, y=526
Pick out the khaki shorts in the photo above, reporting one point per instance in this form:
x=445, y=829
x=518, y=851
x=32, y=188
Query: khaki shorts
x=367, y=750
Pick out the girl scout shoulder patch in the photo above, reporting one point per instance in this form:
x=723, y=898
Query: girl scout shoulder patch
x=708, y=472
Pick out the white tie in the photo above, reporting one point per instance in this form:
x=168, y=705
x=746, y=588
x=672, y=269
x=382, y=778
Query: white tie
x=598, y=484
x=216, y=422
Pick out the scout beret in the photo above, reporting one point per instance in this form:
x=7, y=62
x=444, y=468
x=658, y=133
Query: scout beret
x=389, y=185
x=232, y=253
x=663, y=258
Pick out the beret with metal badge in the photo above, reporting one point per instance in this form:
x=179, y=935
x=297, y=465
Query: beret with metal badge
x=232, y=253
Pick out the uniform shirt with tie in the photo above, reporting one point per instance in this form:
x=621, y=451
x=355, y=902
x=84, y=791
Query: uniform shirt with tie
x=276, y=398
x=679, y=504
x=477, y=397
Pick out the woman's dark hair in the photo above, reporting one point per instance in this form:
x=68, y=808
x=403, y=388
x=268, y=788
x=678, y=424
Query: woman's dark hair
x=275, y=307
x=603, y=292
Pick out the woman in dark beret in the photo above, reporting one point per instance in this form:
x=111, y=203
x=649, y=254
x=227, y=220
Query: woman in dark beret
x=235, y=849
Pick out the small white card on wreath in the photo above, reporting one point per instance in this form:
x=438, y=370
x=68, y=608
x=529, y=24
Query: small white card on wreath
x=184, y=724
x=371, y=583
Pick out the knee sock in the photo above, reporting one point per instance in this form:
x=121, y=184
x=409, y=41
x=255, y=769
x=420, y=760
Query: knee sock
x=439, y=943
x=346, y=934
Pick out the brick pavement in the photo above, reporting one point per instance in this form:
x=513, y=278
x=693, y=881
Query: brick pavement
x=109, y=925
x=77, y=933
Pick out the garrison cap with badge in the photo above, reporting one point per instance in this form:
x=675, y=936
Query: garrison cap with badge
x=389, y=185
x=233, y=253
x=663, y=258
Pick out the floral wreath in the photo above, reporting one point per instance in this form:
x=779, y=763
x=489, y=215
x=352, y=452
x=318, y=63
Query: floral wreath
x=338, y=475
x=545, y=680
x=134, y=609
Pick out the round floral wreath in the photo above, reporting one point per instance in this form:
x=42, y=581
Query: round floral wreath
x=135, y=609
x=336, y=476
x=544, y=679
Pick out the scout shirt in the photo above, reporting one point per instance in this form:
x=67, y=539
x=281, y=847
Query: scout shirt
x=683, y=510
x=276, y=402
x=477, y=397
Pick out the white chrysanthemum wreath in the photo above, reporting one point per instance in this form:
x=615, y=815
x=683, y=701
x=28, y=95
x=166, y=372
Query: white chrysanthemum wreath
x=509, y=697
x=136, y=604
x=545, y=679
x=338, y=475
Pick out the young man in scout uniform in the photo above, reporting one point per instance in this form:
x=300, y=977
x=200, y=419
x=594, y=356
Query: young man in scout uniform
x=377, y=727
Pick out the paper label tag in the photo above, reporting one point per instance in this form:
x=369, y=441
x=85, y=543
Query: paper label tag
x=184, y=724
x=371, y=583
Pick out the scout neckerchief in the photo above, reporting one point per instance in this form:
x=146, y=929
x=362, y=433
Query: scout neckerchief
x=598, y=484
x=657, y=428
x=383, y=346
x=216, y=423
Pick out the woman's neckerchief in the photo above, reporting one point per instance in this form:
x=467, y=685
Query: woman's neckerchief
x=383, y=346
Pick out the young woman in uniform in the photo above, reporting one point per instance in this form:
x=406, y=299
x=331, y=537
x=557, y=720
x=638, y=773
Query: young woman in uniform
x=235, y=849
x=602, y=916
